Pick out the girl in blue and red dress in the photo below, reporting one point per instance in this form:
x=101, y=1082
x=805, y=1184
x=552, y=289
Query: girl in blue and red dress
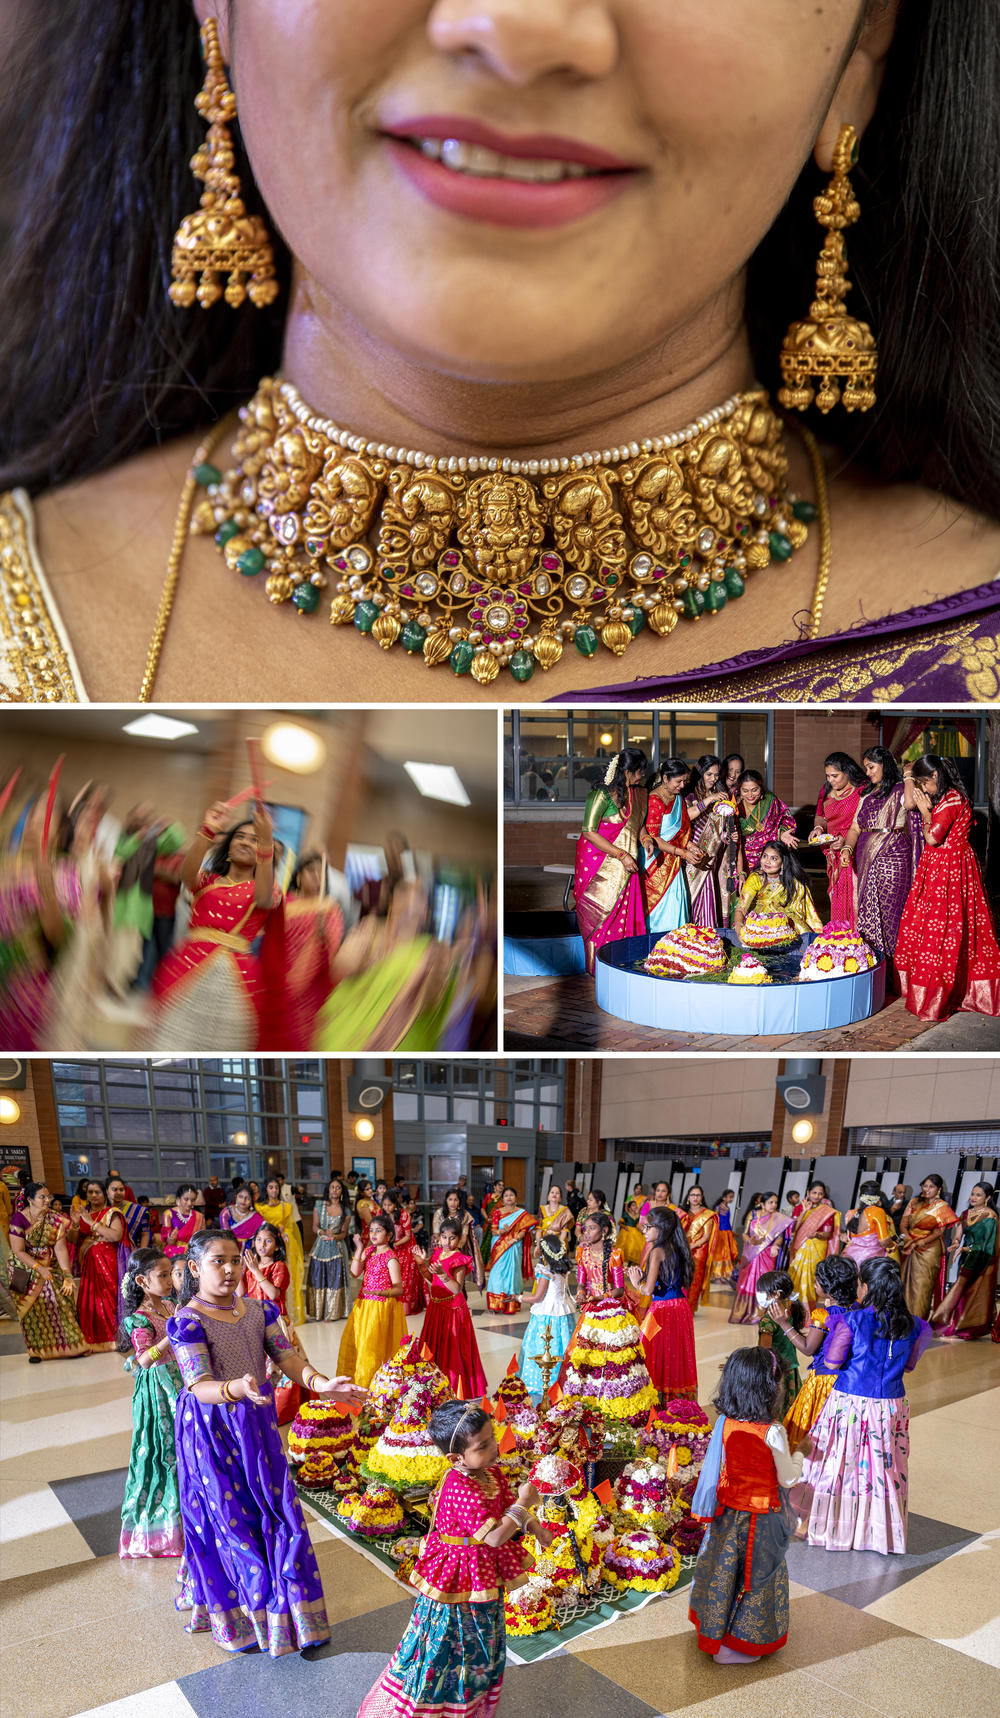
x=739, y=1598
x=451, y=1657
x=448, y=1332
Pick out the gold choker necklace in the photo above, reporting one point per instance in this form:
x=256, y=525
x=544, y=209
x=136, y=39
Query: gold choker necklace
x=491, y=563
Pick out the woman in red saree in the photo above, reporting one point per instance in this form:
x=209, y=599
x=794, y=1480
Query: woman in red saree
x=946, y=953
x=207, y=991
x=181, y=1222
x=701, y=1227
x=510, y=1271
x=836, y=815
x=102, y=1230
x=607, y=881
x=816, y=1233
x=668, y=826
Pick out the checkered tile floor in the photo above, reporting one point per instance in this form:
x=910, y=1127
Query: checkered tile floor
x=84, y=1634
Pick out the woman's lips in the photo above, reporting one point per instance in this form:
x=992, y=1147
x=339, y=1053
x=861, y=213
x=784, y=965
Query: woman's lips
x=593, y=177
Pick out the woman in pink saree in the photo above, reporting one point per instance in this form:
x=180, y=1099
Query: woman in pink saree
x=607, y=879
x=760, y=1253
x=836, y=814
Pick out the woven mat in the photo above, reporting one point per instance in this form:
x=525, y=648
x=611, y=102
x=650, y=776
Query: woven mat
x=576, y=1616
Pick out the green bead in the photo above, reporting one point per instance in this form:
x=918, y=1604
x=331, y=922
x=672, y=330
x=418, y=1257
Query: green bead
x=716, y=597
x=585, y=639
x=227, y=529
x=522, y=665
x=206, y=473
x=611, y=579
x=306, y=598
x=734, y=582
x=637, y=621
x=365, y=616
x=412, y=636
x=779, y=545
x=803, y=510
x=250, y=563
x=693, y=603
x=460, y=660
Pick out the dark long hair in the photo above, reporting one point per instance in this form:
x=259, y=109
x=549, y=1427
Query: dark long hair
x=631, y=758
x=701, y=768
x=673, y=766
x=100, y=365
x=890, y=770
x=947, y=773
x=130, y=1295
x=751, y=1385
x=843, y=762
x=667, y=1233
x=791, y=872
x=198, y=1245
x=885, y=1298
x=778, y=1285
x=279, y=1244
x=218, y=861
x=603, y=1222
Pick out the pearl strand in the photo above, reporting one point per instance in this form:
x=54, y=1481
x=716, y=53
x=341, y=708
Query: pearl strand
x=454, y=463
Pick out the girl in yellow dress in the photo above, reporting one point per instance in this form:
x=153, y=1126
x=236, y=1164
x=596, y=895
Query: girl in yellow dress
x=376, y=1325
x=777, y=885
x=276, y=1210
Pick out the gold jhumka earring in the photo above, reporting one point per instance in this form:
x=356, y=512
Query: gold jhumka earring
x=220, y=238
x=831, y=347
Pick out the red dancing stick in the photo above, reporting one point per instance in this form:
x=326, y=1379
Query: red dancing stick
x=248, y=793
x=256, y=772
x=8, y=790
x=50, y=802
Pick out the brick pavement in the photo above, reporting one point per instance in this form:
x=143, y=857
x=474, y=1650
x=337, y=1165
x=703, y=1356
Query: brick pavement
x=562, y=1015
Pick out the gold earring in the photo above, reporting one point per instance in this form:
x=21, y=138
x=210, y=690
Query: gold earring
x=831, y=347
x=220, y=238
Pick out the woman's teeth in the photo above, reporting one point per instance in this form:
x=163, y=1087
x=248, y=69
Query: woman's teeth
x=482, y=163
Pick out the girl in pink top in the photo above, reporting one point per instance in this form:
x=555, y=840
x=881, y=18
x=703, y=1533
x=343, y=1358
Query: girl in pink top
x=451, y=1658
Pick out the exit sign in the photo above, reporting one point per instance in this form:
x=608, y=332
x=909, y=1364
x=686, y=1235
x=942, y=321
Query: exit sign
x=502, y=1145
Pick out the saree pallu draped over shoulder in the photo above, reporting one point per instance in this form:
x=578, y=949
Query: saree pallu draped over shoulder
x=608, y=896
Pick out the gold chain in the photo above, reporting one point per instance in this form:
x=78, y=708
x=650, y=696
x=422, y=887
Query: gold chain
x=182, y=527
x=824, y=532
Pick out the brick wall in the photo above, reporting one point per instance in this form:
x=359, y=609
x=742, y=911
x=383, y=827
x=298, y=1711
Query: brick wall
x=540, y=843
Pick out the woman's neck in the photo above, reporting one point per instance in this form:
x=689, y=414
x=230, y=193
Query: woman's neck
x=345, y=372
x=240, y=873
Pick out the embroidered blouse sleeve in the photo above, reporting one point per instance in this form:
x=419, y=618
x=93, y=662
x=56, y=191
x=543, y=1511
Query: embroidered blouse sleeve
x=788, y=1467
x=141, y=1332
x=600, y=805
x=943, y=816
x=751, y=889
x=616, y=1269
x=276, y=1342
x=190, y=1346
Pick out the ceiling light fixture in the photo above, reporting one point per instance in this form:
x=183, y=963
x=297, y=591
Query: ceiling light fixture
x=293, y=748
x=159, y=728
x=438, y=781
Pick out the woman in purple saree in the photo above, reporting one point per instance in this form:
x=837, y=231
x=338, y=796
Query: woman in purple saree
x=715, y=834
x=607, y=879
x=887, y=839
x=761, y=1238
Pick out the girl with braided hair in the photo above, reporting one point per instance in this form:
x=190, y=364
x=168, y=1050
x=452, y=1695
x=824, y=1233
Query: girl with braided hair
x=151, y=1512
x=607, y=881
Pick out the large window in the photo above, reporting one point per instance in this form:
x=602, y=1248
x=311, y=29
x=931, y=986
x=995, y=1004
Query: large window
x=559, y=757
x=161, y=1125
x=526, y=1093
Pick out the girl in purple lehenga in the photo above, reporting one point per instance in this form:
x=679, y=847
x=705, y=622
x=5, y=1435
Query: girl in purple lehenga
x=607, y=880
x=250, y=1574
x=887, y=838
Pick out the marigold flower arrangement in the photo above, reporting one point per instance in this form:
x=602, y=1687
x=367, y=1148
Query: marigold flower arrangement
x=640, y=1561
x=529, y=1609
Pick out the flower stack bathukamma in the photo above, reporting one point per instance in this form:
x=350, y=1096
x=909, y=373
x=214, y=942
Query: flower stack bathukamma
x=768, y=932
x=409, y=1365
x=374, y=1513
x=406, y=1454
x=606, y=1367
x=693, y=951
x=645, y=1495
x=683, y=1428
x=529, y=1609
x=519, y=1413
x=640, y=1561
x=319, y=1429
x=837, y=952
x=571, y=1428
